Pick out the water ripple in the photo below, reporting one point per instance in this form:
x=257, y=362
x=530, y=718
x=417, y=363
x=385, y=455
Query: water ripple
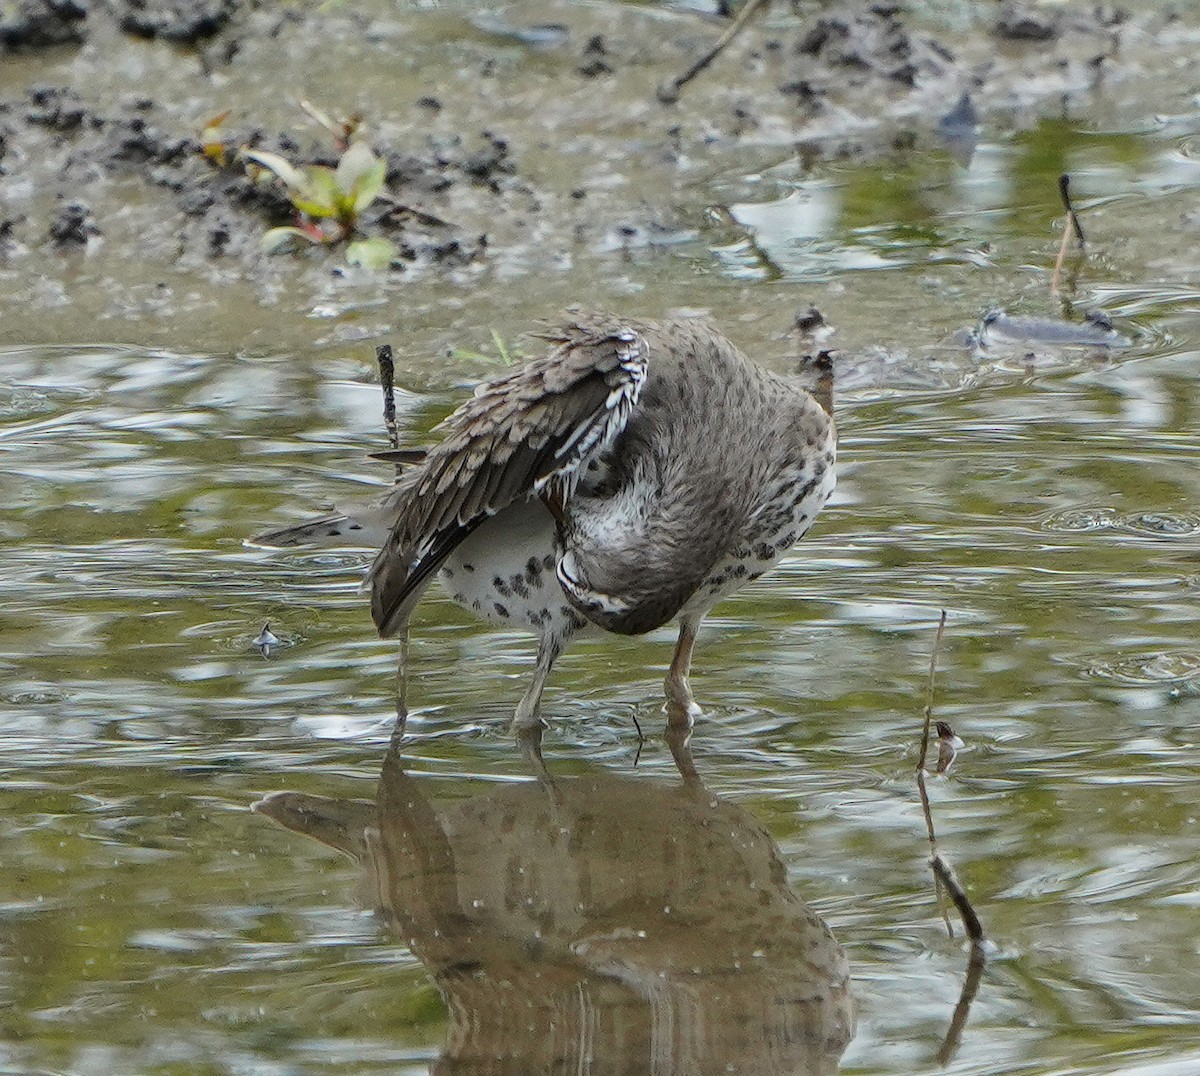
x=1143, y=669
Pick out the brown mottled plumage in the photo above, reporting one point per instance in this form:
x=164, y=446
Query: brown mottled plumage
x=635, y=473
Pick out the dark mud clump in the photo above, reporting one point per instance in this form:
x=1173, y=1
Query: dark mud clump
x=186, y=21
x=221, y=206
x=1019, y=22
x=72, y=225
x=874, y=43
x=31, y=24
x=41, y=23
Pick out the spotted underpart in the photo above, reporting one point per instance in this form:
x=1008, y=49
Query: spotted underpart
x=521, y=589
x=795, y=501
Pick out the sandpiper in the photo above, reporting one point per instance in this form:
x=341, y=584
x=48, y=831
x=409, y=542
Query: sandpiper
x=635, y=473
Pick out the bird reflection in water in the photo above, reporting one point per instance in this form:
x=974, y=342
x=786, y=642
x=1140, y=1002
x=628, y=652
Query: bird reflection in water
x=598, y=924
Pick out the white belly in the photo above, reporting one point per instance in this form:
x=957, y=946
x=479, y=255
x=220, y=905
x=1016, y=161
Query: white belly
x=505, y=571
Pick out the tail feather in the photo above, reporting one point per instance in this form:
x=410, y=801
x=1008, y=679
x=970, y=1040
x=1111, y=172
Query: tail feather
x=327, y=531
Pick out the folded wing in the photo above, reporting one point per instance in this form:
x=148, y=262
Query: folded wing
x=531, y=431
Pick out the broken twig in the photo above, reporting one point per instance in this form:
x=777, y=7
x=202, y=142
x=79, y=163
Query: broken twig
x=937, y=642
x=943, y=874
x=1071, y=224
x=668, y=92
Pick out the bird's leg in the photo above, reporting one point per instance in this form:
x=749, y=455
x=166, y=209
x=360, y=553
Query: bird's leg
x=526, y=717
x=682, y=709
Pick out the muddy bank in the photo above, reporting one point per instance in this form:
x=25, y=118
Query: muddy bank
x=514, y=144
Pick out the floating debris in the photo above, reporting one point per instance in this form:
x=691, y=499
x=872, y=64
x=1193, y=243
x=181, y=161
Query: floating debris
x=999, y=328
x=949, y=746
x=266, y=640
x=548, y=35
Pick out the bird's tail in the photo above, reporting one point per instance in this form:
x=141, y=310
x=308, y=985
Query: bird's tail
x=341, y=530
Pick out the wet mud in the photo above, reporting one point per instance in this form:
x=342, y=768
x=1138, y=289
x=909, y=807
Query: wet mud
x=85, y=163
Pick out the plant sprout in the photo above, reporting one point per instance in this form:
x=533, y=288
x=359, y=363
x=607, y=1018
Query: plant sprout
x=504, y=354
x=324, y=196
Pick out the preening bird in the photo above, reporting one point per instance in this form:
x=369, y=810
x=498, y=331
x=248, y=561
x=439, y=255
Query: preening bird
x=635, y=473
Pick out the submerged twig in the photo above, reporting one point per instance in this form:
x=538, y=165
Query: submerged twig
x=1071, y=224
x=668, y=92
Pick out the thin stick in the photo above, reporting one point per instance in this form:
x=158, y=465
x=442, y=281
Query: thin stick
x=937, y=642
x=925, y=807
x=1064, y=192
x=387, y=381
x=962, y=1010
x=668, y=92
x=946, y=882
x=1069, y=225
x=933, y=855
x=975, y=964
x=962, y=902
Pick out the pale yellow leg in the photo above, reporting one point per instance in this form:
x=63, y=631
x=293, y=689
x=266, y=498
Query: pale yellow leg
x=682, y=708
x=526, y=717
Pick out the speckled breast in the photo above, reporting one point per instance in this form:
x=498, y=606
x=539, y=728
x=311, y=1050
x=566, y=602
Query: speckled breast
x=786, y=512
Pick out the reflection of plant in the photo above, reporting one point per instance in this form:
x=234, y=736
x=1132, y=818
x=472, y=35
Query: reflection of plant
x=324, y=196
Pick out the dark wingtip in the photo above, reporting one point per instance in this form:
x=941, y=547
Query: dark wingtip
x=406, y=456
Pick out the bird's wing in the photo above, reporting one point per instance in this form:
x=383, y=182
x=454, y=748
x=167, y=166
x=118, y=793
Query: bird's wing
x=529, y=431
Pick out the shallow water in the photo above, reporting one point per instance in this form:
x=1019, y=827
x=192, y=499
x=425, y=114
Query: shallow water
x=150, y=923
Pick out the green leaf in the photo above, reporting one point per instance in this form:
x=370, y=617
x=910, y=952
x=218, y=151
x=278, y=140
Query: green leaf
x=319, y=196
x=277, y=240
x=360, y=176
x=498, y=340
x=376, y=253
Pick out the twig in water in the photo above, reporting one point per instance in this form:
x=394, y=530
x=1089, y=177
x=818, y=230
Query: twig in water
x=668, y=92
x=943, y=874
x=975, y=963
x=1064, y=191
x=1071, y=224
x=387, y=381
x=937, y=642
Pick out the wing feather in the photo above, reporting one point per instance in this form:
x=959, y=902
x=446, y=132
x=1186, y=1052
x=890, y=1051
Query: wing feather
x=532, y=430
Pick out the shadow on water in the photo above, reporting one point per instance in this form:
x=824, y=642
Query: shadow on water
x=598, y=923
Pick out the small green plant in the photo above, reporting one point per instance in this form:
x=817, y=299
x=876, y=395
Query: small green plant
x=504, y=354
x=329, y=202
